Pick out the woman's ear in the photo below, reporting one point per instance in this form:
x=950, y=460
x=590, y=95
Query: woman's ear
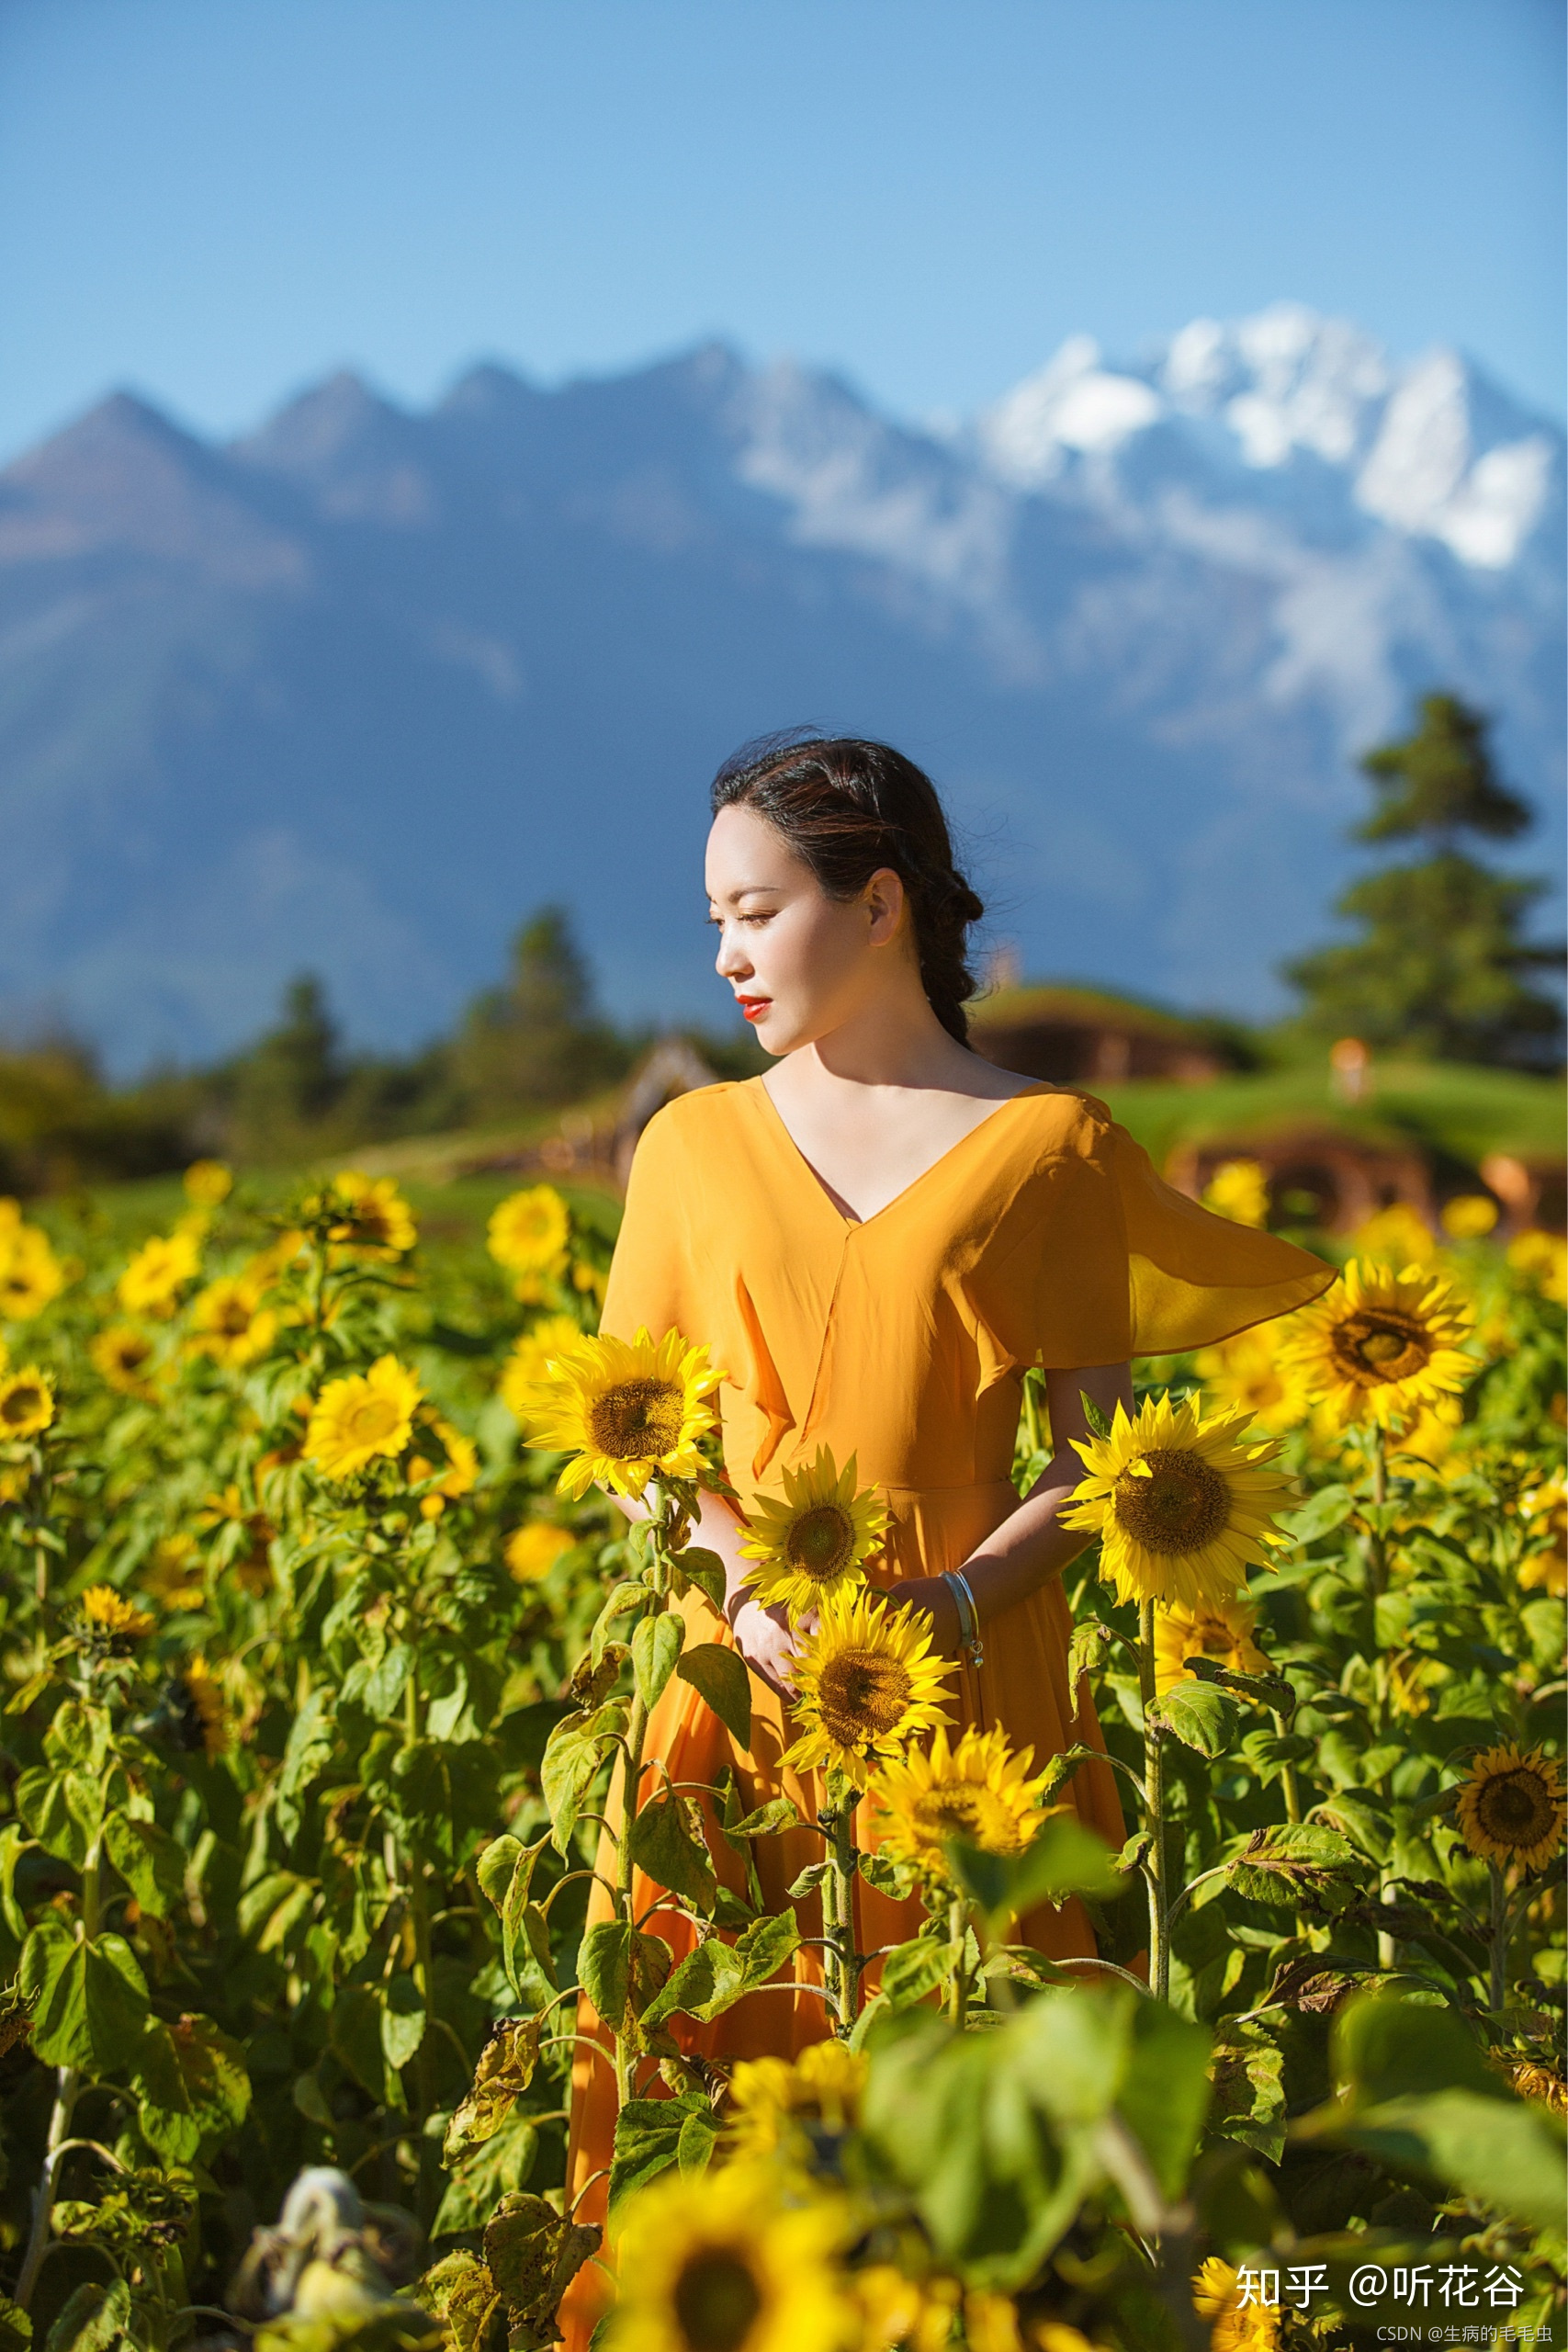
x=886, y=899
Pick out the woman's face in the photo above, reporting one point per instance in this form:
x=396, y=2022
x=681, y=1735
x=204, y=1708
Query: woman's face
x=799, y=962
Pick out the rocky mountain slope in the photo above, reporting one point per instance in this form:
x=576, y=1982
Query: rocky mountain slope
x=357, y=691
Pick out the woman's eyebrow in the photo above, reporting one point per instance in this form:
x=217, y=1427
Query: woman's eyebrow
x=746, y=890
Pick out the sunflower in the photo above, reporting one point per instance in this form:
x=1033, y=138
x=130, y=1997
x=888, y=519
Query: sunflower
x=459, y=1476
x=205, y=1716
x=1470, y=1217
x=865, y=1684
x=775, y=2102
x=1218, y=1629
x=26, y=1402
x=529, y=1235
x=1181, y=1504
x=528, y=1363
x=173, y=1578
x=370, y=1217
x=31, y=1273
x=121, y=1354
x=362, y=1417
x=1528, y=2080
x=1545, y=1509
x=229, y=1322
x=735, y=2259
x=1247, y=1371
x=1238, y=1188
x=208, y=1183
x=111, y=1616
x=1382, y=1345
x=1235, y=2326
x=155, y=1275
x=817, y=1541
x=534, y=1549
x=1511, y=1808
x=978, y=1791
x=629, y=1411
x=1541, y=1258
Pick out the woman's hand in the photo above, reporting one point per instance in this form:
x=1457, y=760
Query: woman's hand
x=934, y=1597
x=765, y=1640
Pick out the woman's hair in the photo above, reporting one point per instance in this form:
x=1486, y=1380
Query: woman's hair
x=847, y=808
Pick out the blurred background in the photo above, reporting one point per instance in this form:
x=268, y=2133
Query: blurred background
x=431, y=438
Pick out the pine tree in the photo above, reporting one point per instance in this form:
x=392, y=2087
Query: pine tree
x=535, y=1041
x=1441, y=968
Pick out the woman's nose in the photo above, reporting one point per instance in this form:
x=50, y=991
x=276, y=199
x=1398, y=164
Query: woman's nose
x=732, y=962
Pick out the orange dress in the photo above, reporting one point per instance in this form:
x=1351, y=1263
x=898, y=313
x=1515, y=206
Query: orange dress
x=1044, y=1237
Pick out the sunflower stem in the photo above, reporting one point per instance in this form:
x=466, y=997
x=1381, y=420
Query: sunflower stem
x=660, y=1527
x=1154, y=1795
x=1497, y=1941
x=1377, y=1542
x=958, y=1989
x=840, y=1822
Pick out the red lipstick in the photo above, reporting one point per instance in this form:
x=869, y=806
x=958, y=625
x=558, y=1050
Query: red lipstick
x=754, y=1007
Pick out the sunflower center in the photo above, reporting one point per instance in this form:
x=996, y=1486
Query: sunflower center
x=20, y=1405
x=821, y=1542
x=234, y=1319
x=370, y=1421
x=1181, y=1506
x=862, y=1695
x=1516, y=1808
x=1377, y=1344
x=717, y=2299
x=637, y=1420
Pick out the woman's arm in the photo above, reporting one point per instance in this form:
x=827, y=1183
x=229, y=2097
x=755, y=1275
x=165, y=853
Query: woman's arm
x=1031, y=1543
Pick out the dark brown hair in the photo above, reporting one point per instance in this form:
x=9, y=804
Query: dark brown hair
x=846, y=807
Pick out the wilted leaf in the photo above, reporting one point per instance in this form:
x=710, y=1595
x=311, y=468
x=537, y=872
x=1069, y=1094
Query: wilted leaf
x=1277, y=1863
x=504, y=2071
x=534, y=2255
x=1247, y=2072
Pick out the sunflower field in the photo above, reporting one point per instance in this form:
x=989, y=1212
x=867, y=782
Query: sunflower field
x=327, y=1667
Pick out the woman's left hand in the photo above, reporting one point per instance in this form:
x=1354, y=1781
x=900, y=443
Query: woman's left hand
x=933, y=1597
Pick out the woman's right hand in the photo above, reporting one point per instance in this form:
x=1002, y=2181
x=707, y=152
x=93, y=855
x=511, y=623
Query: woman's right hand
x=765, y=1641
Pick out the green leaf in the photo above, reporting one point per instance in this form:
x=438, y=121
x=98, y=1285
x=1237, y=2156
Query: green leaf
x=705, y=1569
x=814, y=1875
x=1385, y=2046
x=707, y=1982
x=763, y=1949
x=354, y=2029
x=1277, y=1863
x=574, y=1754
x=1329, y=1508
x=14, y=1843
x=1500, y=2153
x=482, y=2177
x=1163, y=2094
x=92, y=2318
x=1066, y=1859
x=1093, y=1414
x=603, y=1969
x=656, y=1646
x=647, y=2140
x=195, y=2089
x=311, y=1738
x=148, y=1860
x=720, y=1676
x=1201, y=1715
x=621, y=1599
x=663, y=1844
x=64, y=1810
x=1248, y=2071
x=889, y=1876
x=767, y=1821
x=1267, y=1689
x=913, y=1969
x=91, y=1997
x=699, y=2138
x=375, y=1685
x=403, y=2021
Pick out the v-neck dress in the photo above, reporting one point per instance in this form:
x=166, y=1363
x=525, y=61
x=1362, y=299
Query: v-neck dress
x=1042, y=1237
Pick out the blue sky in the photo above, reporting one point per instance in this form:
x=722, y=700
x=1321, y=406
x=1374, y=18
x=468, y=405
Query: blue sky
x=215, y=203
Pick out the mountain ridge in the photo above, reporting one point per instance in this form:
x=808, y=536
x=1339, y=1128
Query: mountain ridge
x=358, y=688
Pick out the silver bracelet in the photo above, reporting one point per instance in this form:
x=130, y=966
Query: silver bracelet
x=968, y=1615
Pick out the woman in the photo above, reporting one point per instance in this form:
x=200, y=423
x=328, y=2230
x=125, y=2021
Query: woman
x=876, y=1238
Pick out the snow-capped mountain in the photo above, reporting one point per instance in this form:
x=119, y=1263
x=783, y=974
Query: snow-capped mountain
x=359, y=690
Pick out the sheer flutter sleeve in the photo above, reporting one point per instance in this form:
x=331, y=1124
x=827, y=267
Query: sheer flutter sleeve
x=1114, y=1262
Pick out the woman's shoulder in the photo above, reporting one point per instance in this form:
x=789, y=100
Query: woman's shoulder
x=1065, y=1122
x=696, y=1116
